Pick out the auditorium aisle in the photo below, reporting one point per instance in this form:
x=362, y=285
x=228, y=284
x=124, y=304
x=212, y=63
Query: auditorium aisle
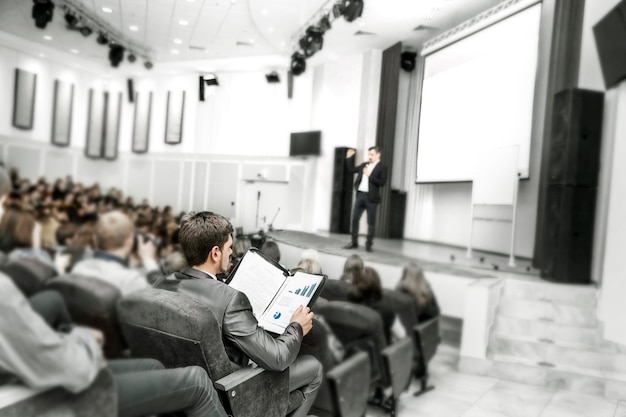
x=464, y=395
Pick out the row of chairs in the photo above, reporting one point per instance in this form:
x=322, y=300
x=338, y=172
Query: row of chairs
x=180, y=331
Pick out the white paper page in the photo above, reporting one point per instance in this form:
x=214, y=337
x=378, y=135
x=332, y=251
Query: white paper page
x=259, y=280
x=297, y=291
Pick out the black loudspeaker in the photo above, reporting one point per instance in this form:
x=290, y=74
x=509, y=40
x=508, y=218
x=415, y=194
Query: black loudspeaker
x=397, y=208
x=569, y=234
x=201, y=88
x=341, y=199
x=575, y=138
x=131, y=91
x=610, y=35
x=407, y=60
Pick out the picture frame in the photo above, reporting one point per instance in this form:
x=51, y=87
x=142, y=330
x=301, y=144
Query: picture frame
x=174, y=117
x=62, y=108
x=24, y=99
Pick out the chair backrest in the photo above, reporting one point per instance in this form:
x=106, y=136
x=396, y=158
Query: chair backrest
x=428, y=339
x=405, y=307
x=93, y=302
x=174, y=328
x=29, y=274
x=336, y=290
x=359, y=328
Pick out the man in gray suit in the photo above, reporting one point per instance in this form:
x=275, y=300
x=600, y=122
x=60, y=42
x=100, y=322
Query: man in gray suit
x=206, y=241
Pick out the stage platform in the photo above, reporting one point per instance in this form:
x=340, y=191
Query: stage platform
x=447, y=268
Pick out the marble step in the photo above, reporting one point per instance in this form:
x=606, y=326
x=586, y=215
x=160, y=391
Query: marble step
x=566, y=294
x=547, y=311
x=561, y=334
x=528, y=350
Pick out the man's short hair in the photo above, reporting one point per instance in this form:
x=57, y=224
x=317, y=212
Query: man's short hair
x=376, y=149
x=112, y=230
x=5, y=182
x=200, y=233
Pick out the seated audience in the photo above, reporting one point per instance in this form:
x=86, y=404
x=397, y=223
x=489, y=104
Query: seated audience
x=353, y=265
x=34, y=354
x=367, y=290
x=310, y=266
x=414, y=283
x=206, y=241
x=20, y=236
x=115, y=238
x=270, y=248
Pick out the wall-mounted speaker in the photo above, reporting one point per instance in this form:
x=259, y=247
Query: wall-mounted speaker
x=131, y=90
x=289, y=84
x=341, y=198
x=610, y=35
x=201, y=88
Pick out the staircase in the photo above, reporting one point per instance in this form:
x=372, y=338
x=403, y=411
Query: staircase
x=547, y=334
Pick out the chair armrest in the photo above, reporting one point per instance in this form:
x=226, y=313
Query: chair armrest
x=250, y=392
x=349, y=382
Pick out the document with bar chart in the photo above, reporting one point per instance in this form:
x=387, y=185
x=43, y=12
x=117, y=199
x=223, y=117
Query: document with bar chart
x=274, y=292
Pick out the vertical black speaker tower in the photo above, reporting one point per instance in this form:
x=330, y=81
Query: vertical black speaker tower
x=572, y=186
x=201, y=88
x=341, y=199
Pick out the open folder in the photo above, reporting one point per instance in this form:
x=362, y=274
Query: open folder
x=273, y=291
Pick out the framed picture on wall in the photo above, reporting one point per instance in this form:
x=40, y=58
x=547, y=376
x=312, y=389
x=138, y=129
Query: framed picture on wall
x=112, y=125
x=62, y=113
x=174, y=117
x=24, y=99
x=141, y=127
x=95, y=124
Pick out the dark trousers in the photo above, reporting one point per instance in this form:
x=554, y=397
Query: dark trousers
x=145, y=388
x=362, y=204
x=305, y=374
x=51, y=307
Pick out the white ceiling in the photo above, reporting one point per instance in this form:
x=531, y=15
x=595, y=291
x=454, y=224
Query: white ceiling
x=232, y=34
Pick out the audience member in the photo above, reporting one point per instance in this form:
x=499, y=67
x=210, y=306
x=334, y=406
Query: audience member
x=414, y=283
x=20, y=236
x=270, y=248
x=353, y=265
x=367, y=290
x=310, y=266
x=206, y=241
x=34, y=354
x=115, y=238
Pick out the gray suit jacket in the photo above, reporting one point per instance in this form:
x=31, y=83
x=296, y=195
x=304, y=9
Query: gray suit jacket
x=243, y=338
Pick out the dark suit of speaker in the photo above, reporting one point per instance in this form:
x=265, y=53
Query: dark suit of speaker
x=572, y=181
x=341, y=202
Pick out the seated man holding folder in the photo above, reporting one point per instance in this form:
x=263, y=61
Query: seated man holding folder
x=206, y=242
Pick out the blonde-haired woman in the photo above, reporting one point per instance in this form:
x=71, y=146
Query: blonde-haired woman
x=414, y=283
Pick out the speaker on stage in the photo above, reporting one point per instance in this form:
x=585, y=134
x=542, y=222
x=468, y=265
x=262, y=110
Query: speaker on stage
x=341, y=198
x=569, y=234
x=131, y=90
x=575, y=138
x=610, y=36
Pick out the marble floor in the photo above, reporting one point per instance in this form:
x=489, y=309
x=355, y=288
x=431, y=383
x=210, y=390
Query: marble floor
x=464, y=395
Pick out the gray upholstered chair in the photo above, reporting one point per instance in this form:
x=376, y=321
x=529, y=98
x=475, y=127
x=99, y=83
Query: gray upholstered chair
x=360, y=328
x=92, y=302
x=29, y=275
x=336, y=290
x=341, y=393
x=100, y=399
x=180, y=331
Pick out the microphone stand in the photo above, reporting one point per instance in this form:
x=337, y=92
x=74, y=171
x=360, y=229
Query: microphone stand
x=271, y=225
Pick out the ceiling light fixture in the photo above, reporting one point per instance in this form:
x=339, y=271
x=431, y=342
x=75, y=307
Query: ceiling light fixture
x=178, y=41
x=183, y=22
x=352, y=9
x=107, y=10
x=48, y=37
x=116, y=55
x=42, y=13
x=133, y=28
x=298, y=63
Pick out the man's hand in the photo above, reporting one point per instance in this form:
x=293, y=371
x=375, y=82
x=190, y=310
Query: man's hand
x=145, y=249
x=304, y=317
x=366, y=170
x=350, y=153
x=99, y=336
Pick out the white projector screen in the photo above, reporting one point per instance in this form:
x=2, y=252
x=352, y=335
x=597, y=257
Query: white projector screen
x=477, y=95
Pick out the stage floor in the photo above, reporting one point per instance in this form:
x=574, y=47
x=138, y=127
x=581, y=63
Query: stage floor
x=398, y=252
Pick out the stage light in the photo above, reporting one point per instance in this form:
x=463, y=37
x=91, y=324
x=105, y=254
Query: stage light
x=298, y=63
x=312, y=41
x=131, y=57
x=407, y=60
x=42, y=13
x=324, y=24
x=116, y=55
x=70, y=19
x=352, y=9
x=102, y=39
x=86, y=31
x=337, y=10
x=272, y=77
x=148, y=65
x=211, y=81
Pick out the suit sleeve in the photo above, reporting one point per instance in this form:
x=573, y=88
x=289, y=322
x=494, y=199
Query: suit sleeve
x=351, y=167
x=381, y=176
x=241, y=328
